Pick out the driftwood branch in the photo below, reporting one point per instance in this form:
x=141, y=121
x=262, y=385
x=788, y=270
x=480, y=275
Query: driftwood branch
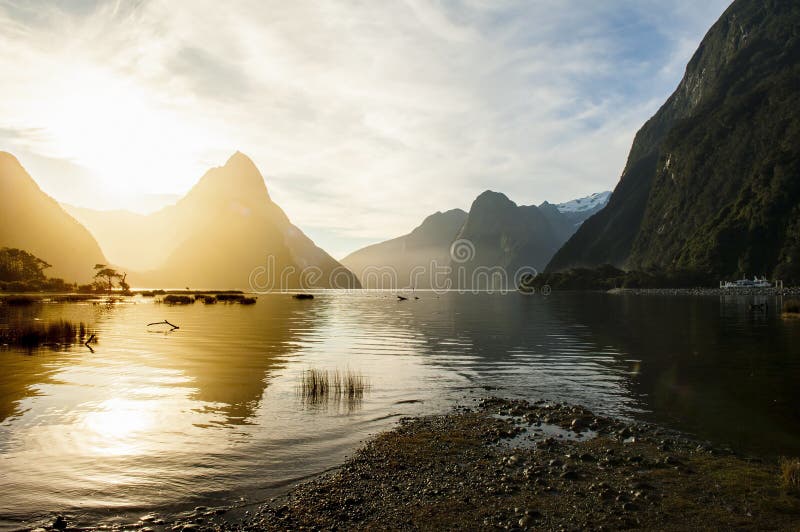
x=165, y=322
x=86, y=343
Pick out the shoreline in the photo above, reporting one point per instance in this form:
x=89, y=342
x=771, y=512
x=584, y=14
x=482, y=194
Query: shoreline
x=511, y=464
x=734, y=292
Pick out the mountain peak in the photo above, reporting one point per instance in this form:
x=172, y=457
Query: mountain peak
x=490, y=198
x=239, y=159
x=238, y=178
x=8, y=157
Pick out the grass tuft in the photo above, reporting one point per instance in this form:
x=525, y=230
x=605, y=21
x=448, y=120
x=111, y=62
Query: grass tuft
x=790, y=473
x=319, y=385
x=37, y=334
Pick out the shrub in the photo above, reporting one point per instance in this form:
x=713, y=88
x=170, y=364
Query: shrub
x=174, y=299
x=248, y=301
x=228, y=298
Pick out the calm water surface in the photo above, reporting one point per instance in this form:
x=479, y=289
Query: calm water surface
x=157, y=421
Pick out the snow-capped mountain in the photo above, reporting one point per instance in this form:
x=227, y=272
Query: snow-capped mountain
x=593, y=203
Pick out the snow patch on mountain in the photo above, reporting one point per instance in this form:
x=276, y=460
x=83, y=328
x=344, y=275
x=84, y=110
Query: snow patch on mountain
x=595, y=202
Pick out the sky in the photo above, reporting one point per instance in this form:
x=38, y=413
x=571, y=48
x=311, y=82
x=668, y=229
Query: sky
x=364, y=116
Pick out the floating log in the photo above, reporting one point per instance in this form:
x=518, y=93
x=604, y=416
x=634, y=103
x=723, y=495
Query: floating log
x=165, y=322
x=87, y=342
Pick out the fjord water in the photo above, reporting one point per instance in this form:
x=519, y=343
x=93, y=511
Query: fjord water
x=157, y=421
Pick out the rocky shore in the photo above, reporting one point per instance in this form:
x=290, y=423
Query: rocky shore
x=773, y=292
x=515, y=465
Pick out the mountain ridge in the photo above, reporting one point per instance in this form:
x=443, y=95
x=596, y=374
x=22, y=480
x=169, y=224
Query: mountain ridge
x=221, y=234
x=499, y=232
x=33, y=221
x=710, y=184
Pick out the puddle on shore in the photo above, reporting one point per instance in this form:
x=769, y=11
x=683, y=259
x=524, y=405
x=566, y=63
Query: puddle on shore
x=532, y=434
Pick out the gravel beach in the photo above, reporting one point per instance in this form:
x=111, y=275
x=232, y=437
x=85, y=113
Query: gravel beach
x=514, y=465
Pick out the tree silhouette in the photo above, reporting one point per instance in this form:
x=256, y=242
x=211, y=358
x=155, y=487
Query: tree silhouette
x=103, y=272
x=19, y=265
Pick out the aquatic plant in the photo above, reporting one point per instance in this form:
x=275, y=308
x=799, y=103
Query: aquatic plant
x=230, y=298
x=37, y=334
x=318, y=385
x=791, y=306
x=790, y=473
x=72, y=298
x=174, y=299
x=20, y=301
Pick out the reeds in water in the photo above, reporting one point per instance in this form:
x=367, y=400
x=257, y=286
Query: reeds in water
x=320, y=385
x=37, y=334
x=20, y=301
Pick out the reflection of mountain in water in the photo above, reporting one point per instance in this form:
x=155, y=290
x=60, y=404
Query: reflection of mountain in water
x=229, y=352
x=518, y=344
x=224, y=353
x=710, y=366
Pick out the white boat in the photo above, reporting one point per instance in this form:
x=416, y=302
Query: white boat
x=747, y=283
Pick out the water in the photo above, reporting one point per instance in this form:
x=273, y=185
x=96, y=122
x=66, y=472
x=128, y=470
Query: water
x=157, y=421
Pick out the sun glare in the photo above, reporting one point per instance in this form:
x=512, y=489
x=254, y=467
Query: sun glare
x=115, y=128
x=112, y=429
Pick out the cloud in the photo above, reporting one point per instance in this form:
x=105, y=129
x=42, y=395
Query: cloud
x=364, y=116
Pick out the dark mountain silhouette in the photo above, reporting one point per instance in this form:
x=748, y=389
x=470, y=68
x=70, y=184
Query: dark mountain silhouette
x=225, y=233
x=503, y=237
x=500, y=233
x=33, y=221
x=711, y=184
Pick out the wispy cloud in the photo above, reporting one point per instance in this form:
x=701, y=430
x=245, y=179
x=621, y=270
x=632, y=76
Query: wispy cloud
x=369, y=113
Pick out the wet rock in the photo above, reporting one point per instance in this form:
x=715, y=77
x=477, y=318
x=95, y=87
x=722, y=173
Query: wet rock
x=570, y=474
x=60, y=523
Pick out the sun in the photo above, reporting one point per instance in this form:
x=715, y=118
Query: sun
x=116, y=128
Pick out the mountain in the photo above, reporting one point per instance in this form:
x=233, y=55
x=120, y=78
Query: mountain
x=33, y=221
x=391, y=264
x=500, y=239
x=712, y=182
x=579, y=210
x=225, y=233
x=495, y=233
